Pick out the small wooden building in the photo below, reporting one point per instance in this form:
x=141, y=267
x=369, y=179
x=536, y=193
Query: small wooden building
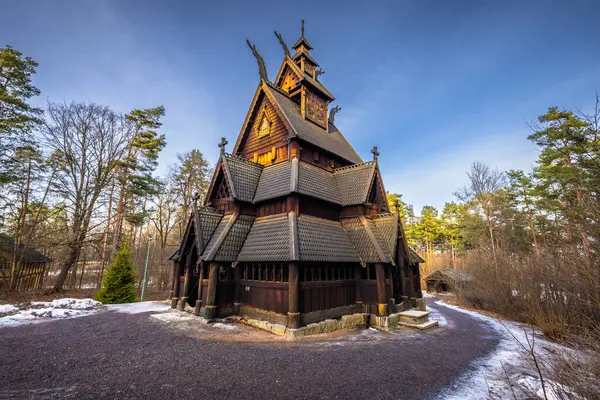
x=295, y=227
x=30, y=268
x=446, y=280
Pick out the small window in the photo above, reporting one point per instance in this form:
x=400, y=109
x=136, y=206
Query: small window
x=264, y=128
x=316, y=156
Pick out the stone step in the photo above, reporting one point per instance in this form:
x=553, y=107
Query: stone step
x=414, y=317
x=422, y=326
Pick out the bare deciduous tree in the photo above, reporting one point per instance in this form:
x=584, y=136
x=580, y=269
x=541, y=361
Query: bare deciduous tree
x=92, y=139
x=483, y=183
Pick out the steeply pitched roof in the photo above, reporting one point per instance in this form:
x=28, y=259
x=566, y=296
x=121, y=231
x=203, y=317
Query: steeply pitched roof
x=217, y=237
x=354, y=182
x=268, y=240
x=243, y=174
x=317, y=182
x=231, y=246
x=324, y=240
x=274, y=181
x=208, y=223
x=387, y=225
x=332, y=141
x=361, y=240
x=367, y=240
x=414, y=257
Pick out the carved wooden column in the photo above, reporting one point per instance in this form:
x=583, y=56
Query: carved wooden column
x=294, y=297
x=175, y=285
x=210, y=309
x=357, y=278
x=381, y=290
x=236, y=294
x=200, y=280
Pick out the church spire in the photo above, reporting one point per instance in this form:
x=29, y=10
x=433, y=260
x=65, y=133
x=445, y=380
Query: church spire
x=302, y=57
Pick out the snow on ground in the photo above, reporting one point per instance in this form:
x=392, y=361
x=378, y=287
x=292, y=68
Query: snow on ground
x=44, y=311
x=7, y=308
x=41, y=311
x=435, y=315
x=227, y=327
x=175, y=316
x=74, y=304
x=511, y=361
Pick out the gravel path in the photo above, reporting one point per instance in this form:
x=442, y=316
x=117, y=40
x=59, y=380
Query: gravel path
x=113, y=355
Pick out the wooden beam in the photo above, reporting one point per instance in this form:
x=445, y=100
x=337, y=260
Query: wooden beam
x=294, y=298
x=175, y=284
x=200, y=279
x=210, y=310
x=358, y=279
x=236, y=295
x=381, y=290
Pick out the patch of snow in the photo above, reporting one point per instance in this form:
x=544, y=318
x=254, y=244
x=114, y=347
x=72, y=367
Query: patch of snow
x=435, y=315
x=136, y=308
x=427, y=295
x=510, y=360
x=174, y=316
x=7, y=308
x=227, y=327
x=73, y=304
x=37, y=315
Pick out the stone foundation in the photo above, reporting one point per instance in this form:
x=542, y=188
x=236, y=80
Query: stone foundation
x=345, y=323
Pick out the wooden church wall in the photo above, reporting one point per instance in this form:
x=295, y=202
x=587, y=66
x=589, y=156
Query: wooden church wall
x=253, y=143
x=315, y=156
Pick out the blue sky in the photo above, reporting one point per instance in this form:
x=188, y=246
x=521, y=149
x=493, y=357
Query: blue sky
x=435, y=84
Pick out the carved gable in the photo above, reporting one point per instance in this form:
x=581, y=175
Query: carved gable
x=264, y=130
x=377, y=196
x=220, y=188
x=316, y=109
x=289, y=80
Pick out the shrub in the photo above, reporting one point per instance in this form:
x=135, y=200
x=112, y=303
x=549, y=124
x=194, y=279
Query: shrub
x=118, y=284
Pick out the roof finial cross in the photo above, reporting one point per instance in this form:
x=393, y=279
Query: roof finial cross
x=375, y=153
x=222, y=145
x=302, y=28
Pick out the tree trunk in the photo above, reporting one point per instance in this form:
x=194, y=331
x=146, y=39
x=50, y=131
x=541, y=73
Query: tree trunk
x=66, y=267
x=105, y=239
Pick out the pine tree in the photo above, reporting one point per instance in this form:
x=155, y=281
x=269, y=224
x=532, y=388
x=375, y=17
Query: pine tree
x=117, y=287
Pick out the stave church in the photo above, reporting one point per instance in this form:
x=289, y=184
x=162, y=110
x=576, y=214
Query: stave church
x=295, y=227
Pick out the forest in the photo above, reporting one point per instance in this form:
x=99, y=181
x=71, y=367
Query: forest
x=77, y=179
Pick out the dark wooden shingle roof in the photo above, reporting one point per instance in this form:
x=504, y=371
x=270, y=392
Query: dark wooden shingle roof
x=324, y=240
x=317, y=182
x=332, y=141
x=243, y=174
x=268, y=240
x=354, y=182
x=274, y=181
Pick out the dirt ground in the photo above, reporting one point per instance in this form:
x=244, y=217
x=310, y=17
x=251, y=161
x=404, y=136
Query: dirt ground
x=118, y=355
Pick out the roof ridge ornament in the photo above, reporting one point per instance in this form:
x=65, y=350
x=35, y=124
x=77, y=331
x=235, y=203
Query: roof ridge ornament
x=286, y=49
x=333, y=112
x=222, y=145
x=262, y=69
x=375, y=152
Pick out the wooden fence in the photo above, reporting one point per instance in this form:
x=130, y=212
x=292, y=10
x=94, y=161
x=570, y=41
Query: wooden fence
x=27, y=277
